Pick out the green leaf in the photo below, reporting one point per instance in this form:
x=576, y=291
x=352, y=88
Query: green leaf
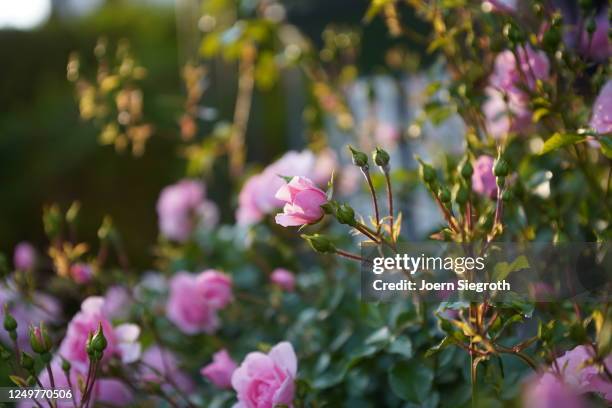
x=411, y=380
x=446, y=341
x=376, y=7
x=559, y=140
x=402, y=346
x=503, y=269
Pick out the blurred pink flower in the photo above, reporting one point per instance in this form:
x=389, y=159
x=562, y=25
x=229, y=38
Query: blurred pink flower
x=349, y=180
x=187, y=308
x=257, y=197
x=548, y=391
x=24, y=257
x=215, y=287
x=81, y=272
x=220, y=371
x=506, y=108
x=483, y=179
x=386, y=134
x=601, y=120
x=303, y=201
x=122, y=339
x=582, y=376
x=180, y=206
x=598, y=47
x=266, y=380
x=507, y=6
x=503, y=116
x=160, y=366
x=283, y=278
x=41, y=308
x=507, y=74
x=106, y=390
x=117, y=302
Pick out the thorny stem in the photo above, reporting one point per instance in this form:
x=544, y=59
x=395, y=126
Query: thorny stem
x=366, y=174
x=349, y=255
x=390, y=200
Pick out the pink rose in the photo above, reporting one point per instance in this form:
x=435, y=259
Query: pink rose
x=215, y=287
x=585, y=377
x=283, y=278
x=549, y=391
x=601, y=120
x=303, y=202
x=180, y=207
x=81, y=272
x=506, y=108
x=483, y=179
x=159, y=365
x=117, y=302
x=387, y=134
x=45, y=309
x=24, y=256
x=257, y=197
x=266, y=380
x=195, y=299
x=220, y=371
x=122, y=339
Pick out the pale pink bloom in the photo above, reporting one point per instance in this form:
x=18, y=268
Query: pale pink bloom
x=507, y=74
x=601, y=119
x=582, y=376
x=324, y=166
x=122, y=339
x=549, y=391
x=40, y=308
x=24, y=257
x=220, y=371
x=81, y=272
x=504, y=116
x=160, y=365
x=266, y=380
x=483, y=179
x=187, y=308
x=117, y=302
x=257, y=197
x=283, y=278
x=215, y=287
x=349, y=180
x=303, y=201
x=386, y=134
x=180, y=206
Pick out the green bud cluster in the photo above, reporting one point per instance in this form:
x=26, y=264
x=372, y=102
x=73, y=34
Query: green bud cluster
x=96, y=343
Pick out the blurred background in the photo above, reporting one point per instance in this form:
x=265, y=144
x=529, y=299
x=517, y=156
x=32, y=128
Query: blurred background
x=49, y=155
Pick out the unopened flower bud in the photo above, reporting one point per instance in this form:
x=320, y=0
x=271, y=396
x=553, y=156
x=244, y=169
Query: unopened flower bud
x=320, y=243
x=27, y=362
x=500, y=168
x=65, y=365
x=507, y=195
x=345, y=214
x=466, y=169
x=39, y=339
x=360, y=159
x=98, y=341
x=500, y=181
x=461, y=194
x=10, y=324
x=444, y=195
x=428, y=174
x=381, y=158
x=591, y=26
